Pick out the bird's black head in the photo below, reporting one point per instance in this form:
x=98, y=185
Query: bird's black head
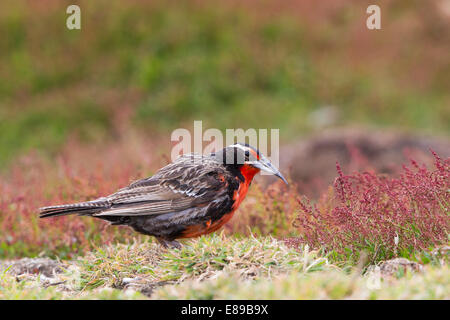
x=240, y=154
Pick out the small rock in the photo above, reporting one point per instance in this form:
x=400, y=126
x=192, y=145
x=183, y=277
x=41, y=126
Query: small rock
x=391, y=267
x=44, y=266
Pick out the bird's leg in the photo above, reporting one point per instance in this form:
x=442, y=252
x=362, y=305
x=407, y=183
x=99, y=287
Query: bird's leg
x=167, y=243
x=162, y=242
x=174, y=244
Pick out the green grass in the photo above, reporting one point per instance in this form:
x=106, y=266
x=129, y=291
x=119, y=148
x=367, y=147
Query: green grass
x=202, y=258
x=47, y=128
x=331, y=284
x=217, y=267
x=32, y=288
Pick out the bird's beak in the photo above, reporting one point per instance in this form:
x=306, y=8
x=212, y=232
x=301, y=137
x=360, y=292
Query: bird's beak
x=265, y=165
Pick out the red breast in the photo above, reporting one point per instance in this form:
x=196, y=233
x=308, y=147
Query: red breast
x=248, y=172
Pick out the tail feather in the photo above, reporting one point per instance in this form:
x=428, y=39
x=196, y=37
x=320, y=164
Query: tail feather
x=82, y=208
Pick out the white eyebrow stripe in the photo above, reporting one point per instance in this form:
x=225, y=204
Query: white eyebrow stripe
x=250, y=150
x=240, y=146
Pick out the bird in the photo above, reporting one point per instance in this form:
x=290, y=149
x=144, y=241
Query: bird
x=194, y=195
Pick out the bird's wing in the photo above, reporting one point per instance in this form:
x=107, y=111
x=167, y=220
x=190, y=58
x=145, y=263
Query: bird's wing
x=176, y=187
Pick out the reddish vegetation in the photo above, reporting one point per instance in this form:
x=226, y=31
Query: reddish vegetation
x=365, y=211
x=356, y=149
x=369, y=212
x=79, y=174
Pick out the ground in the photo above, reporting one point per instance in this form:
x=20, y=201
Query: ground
x=220, y=267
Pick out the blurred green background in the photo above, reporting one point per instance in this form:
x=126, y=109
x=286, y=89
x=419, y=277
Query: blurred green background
x=154, y=66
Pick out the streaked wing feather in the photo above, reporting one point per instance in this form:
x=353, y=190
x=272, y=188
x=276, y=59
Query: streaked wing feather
x=176, y=187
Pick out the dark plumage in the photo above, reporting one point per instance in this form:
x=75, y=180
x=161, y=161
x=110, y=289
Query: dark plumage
x=192, y=196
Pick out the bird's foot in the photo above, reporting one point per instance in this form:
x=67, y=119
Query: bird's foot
x=169, y=244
